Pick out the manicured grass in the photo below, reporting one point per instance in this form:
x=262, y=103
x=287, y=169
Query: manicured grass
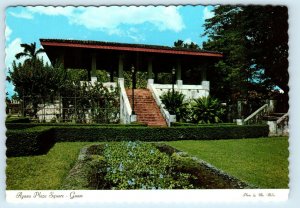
x=42, y=172
x=262, y=162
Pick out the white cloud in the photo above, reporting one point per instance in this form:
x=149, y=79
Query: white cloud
x=12, y=49
x=188, y=41
x=110, y=19
x=23, y=14
x=207, y=14
x=52, y=11
x=8, y=32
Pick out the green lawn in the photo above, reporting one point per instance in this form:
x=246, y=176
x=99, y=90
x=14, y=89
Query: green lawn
x=262, y=162
x=42, y=172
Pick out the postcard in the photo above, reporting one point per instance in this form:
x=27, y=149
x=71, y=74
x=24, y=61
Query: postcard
x=148, y=103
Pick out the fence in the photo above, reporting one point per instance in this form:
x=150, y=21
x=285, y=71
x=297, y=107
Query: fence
x=73, y=109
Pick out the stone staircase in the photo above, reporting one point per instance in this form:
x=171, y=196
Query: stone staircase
x=273, y=116
x=146, y=108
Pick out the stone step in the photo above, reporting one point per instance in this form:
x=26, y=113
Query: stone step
x=145, y=107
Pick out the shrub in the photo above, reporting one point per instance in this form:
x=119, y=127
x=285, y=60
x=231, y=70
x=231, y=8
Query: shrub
x=201, y=125
x=136, y=165
x=207, y=110
x=32, y=141
x=174, y=103
x=18, y=120
x=39, y=140
x=160, y=134
x=30, y=125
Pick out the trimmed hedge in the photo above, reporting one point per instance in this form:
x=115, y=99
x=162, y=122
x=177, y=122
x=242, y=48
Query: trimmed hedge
x=27, y=142
x=161, y=134
x=30, y=125
x=18, y=120
x=200, y=125
x=39, y=140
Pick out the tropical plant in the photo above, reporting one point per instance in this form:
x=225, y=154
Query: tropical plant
x=207, y=110
x=175, y=104
x=30, y=52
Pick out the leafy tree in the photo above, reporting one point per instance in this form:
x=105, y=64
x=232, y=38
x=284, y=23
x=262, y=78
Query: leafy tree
x=36, y=83
x=182, y=44
x=254, y=41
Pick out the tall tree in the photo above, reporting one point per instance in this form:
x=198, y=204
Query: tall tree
x=36, y=83
x=254, y=41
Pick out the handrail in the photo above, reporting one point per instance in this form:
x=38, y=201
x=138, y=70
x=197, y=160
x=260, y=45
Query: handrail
x=262, y=108
x=164, y=112
x=125, y=108
x=282, y=118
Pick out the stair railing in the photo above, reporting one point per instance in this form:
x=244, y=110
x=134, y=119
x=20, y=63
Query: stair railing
x=257, y=116
x=282, y=125
x=160, y=105
x=125, y=108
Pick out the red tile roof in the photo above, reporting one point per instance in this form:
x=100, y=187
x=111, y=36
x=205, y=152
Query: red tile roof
x=127, y=47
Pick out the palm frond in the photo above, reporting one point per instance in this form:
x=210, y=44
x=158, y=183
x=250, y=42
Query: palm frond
x=21, y=54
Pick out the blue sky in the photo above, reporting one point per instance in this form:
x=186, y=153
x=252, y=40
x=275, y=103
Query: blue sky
x=146, y=25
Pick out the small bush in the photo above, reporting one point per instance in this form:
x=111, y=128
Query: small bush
x=32, y=141
x=207, y=110
x=174, y=103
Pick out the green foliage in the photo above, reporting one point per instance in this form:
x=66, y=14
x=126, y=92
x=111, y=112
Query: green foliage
x=255, y=56
x=38, y=140
x=266, y=157
x=38, y=79
x=14, y=125
x=97, y=101
x=159, y=134
x=36, y=82
x=202, y=124
x=207, y=110
x=77, y=75
x=136, y=165
x=182, y=44
x=174, y=103
x=30, y=52
x=32, y=141
x=141, y=79
x=18, y=120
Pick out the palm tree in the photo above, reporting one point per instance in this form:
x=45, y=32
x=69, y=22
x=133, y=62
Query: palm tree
x=29, y=51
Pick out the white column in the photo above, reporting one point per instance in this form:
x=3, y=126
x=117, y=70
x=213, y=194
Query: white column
x=150, y=72
x=94, y=67
x=205, y=84
x=120, y=72
x=178, y=73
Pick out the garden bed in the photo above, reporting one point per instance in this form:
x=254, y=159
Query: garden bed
x=137, y=165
